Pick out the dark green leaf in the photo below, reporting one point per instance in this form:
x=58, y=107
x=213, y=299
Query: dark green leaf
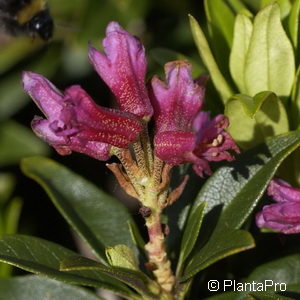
x=37, y=288
x=44, y=257
x=236, y=189
x=17, y=142
x=208, y=59
x=190, y=234
x=182, y=289
x=285, y=270
x=220, y=245
x=240, y=185
x=248, y=296
x=135, y=235
x=7, y=185
x=99, y=219
x=135, y=279
x=229, y=296
x=12, y=215
x=268, y=296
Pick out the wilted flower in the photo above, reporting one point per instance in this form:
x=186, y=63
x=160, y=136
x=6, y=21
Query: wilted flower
x=285, y=215
x=183, y=132
x=75, y=123
x=123, y=68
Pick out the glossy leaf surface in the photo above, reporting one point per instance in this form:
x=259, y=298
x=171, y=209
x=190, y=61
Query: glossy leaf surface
x=99, y=219
x=235, y=190
x=36, y=288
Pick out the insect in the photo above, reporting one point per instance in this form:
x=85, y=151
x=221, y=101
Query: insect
x=26, y=17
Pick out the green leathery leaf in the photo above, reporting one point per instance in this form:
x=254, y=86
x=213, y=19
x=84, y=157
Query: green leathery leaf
x=135, y=235
x=270, y=62
x=36, y=288
x=220, y=22
x=182, y=289
x=7, y=185
x=221, y=17
x=257, y=5
x=268, y=296
x=135, y=279
x=99, y=219
x=235, y=190
x=239, y=7
x=228, y=296
x=208, y=59
x=17, y=142
x=253, y=119
x=252, y=4
x=242, y=35
x=248, y=296
x=293, y=23
x=12, y=215
x=190, y=234
x=43, y=257
x=283, y=270
x=284, y=5
x=294, y=109
x=219, y=246
x=121, y=256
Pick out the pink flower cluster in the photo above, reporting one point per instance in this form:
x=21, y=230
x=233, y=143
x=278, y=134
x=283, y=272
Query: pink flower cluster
x=183, y=133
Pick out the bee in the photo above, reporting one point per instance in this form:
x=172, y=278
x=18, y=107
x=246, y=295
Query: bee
x=26, y=17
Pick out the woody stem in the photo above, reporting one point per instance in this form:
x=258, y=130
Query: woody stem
x=155, y=248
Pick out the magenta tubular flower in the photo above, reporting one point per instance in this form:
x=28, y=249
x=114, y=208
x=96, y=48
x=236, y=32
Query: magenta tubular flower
x=183, y=132
x=123, y=68
x=75, y=123
x=283, y=216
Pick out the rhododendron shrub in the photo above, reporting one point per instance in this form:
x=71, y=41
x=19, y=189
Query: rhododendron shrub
x=157, y=137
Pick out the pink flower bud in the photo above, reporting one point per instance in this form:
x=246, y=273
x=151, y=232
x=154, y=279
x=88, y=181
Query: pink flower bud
x=283, y=216
x=123, y=68
x=184, y=133
x=75, y=123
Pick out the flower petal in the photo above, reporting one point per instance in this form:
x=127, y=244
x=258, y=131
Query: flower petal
x=281, y=191
x=46, y=96
x=102, y=124
x=123, y=69
x=212, y=141
x=65, y=145
x=177, y=101
x=172, y=146
x=284, y=217
x=75, y=123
